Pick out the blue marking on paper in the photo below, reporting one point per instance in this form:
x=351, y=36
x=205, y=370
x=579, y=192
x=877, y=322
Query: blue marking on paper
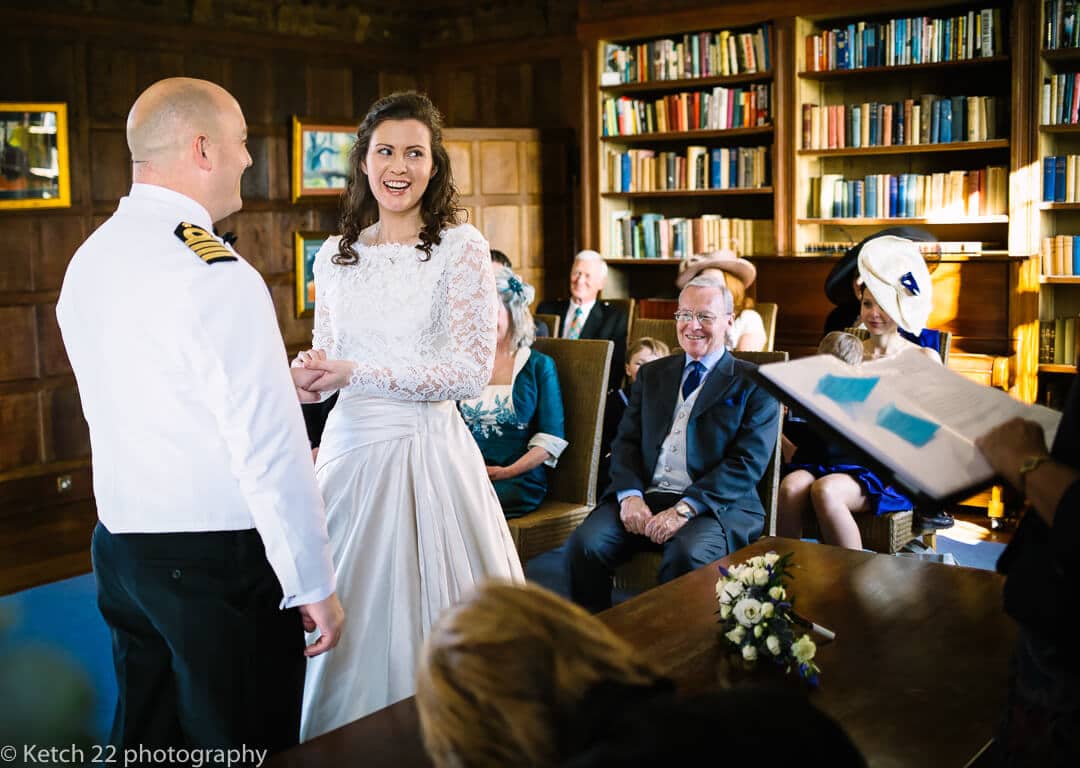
x=913, y=429
x=846, y=389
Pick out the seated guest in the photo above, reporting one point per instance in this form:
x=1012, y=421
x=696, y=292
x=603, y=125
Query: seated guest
x=500, y=259
x=517, y=676
x=518, y=419
x=747, y=330
x=691, y=448
x=644, y=350
x=587, y=317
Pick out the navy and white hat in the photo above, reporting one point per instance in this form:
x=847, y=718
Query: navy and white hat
x=894, y=271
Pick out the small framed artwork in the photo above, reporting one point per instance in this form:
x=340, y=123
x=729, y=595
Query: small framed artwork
x=34, y=155
x=306, y=245
x=320, y=158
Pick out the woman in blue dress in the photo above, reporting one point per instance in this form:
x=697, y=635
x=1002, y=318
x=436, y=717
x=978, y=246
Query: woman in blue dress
x=518, y=419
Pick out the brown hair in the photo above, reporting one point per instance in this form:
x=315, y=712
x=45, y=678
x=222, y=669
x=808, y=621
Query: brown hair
x=504, y=672
x=438, y=206
x=846, y=346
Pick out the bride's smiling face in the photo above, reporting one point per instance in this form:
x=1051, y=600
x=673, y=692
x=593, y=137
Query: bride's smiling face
x=398, y=164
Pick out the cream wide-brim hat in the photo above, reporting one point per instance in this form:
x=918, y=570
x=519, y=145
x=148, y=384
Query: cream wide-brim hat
x=895, y=273
x=692, y=266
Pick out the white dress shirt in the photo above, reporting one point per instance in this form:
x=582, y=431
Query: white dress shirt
x=571, y=311
x=194, y=421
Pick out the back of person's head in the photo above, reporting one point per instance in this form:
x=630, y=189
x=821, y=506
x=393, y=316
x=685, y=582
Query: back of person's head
x=504, y=675
x=500, y=258
x=439, y=204
x=655, y=346
x=516, y=295
x=846, y=346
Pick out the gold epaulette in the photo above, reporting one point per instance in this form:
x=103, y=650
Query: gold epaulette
x=206, y=246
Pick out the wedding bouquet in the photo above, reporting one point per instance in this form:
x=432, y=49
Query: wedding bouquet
x=758, y=617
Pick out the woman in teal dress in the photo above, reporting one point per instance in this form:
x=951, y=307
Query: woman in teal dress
x=518, y=419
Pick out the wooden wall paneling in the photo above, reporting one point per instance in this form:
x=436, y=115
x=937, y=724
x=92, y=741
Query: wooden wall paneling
x=460, y=100
x=154, y=65
x=66, y=433
x=248, y=79
x=389, y=82
x=61, y=236
x=110, y=166
x=290, y=83
x=461, y=165
x=500, y=172
x=502, y=228
x=53, y=359
x=111, y=80
x=330, y=91
x=285, y=223
x=255, y=183
x=20, y=430
x=18, y=354
x=257, y=240
x=22, y=238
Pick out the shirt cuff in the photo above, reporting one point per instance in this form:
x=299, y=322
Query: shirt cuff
x=694, y=504
x=311, y=596
x=550, y=443
x=620, y=495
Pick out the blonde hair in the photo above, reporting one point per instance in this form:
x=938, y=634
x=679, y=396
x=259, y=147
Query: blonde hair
x=846, y=346
x=503, y=673
x=657, y=347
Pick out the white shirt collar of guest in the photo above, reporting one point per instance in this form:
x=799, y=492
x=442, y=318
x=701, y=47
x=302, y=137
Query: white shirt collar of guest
x=708, y=361
x=585, y=308
x=175, y=203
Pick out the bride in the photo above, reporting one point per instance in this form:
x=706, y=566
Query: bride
x=404, y=325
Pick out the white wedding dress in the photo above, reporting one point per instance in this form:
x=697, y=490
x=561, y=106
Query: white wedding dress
x=413, y=519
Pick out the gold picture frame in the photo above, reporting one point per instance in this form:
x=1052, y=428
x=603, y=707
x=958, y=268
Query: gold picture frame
x=320, y=158
x=34, y=170
x=305, y=246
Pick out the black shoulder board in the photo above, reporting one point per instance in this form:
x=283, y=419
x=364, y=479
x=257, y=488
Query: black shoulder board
x=206, y=246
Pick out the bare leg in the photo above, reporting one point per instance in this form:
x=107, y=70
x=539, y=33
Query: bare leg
x=836, y=499
x=792, y=503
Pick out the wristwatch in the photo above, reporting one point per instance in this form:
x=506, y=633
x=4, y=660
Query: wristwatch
x=1031, y=463
x=684, y=510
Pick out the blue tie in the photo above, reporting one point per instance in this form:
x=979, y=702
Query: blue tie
x=693, y=379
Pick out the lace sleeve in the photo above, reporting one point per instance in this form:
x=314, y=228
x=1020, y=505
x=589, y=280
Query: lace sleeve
x=322, y=335
x=466, y=310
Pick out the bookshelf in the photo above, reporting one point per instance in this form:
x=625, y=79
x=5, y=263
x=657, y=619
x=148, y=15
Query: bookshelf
x=1059, y=206
x=685, y=154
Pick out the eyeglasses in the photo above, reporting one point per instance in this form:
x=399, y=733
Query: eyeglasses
x=686, y=316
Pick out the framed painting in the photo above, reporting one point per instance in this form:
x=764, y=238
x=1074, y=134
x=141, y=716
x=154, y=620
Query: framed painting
x=320, y=158
x=306, y=245
x=34, y=169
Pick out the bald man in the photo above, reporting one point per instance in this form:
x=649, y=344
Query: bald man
x=211, y=553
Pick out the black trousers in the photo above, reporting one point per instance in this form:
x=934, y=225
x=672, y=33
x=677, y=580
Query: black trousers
x=601, y=543
x=203, y=655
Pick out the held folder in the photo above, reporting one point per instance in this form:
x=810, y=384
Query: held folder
x=913, y=421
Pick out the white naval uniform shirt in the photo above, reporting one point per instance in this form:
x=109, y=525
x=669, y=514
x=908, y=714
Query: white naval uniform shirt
x=183, y=377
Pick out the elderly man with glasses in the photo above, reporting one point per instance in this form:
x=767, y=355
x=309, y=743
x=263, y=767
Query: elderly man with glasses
x=691, y=448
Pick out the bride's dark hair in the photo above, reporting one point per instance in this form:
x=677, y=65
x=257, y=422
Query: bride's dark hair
x=439, y=205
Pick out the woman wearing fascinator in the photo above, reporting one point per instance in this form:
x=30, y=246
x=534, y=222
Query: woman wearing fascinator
x=518, y=419
x=747, y=332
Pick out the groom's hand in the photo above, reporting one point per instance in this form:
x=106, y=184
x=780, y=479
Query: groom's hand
x=328, y=617
x=302, y=380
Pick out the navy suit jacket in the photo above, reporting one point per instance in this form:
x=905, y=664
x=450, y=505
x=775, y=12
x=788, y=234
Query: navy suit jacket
x=730, y=439
x=605, y=321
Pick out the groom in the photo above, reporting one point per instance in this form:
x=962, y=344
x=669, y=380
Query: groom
x=211, y=526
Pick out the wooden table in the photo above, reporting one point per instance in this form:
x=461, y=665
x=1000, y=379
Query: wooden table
x=916, y=674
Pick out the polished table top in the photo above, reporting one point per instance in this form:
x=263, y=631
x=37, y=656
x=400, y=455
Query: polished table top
x=916, y=674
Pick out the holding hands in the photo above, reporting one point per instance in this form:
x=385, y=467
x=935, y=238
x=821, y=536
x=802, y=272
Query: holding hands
x=314, y=374
x=638, y=518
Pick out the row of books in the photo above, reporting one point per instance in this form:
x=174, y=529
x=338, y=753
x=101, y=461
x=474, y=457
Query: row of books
x=902, y=41
x=1057, y=341
x=1060, y=255
x=930, y=119
x=699, y=54
x=646, y=170
x=652, y=236
x=937, y=248
x=1061, y=179
x=1060, y=27
x=719, y=109
x=980, y=192
x=1061, y=99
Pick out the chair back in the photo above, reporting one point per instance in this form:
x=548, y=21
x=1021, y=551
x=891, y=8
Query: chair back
x=551, y=320
x=582, y=366
x=767, y=310
x=661, y=329
x=639, y=573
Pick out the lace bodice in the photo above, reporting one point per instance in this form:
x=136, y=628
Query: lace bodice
x=415, y=329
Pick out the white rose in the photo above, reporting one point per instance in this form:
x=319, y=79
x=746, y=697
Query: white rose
x=771, y=558
x=756, y=562
x=725, y=610
x=772, y=642
x=746, y=575
x=777, y=593
x=736, y=635
x=732, y=590
x=759, y=630
x=803, y=649
x=748, y=611
x=767, y=610
x=720, y=588
x=749, y=652
x=761, y=577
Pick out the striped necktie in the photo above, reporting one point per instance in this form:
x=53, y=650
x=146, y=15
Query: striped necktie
x=578, y=320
